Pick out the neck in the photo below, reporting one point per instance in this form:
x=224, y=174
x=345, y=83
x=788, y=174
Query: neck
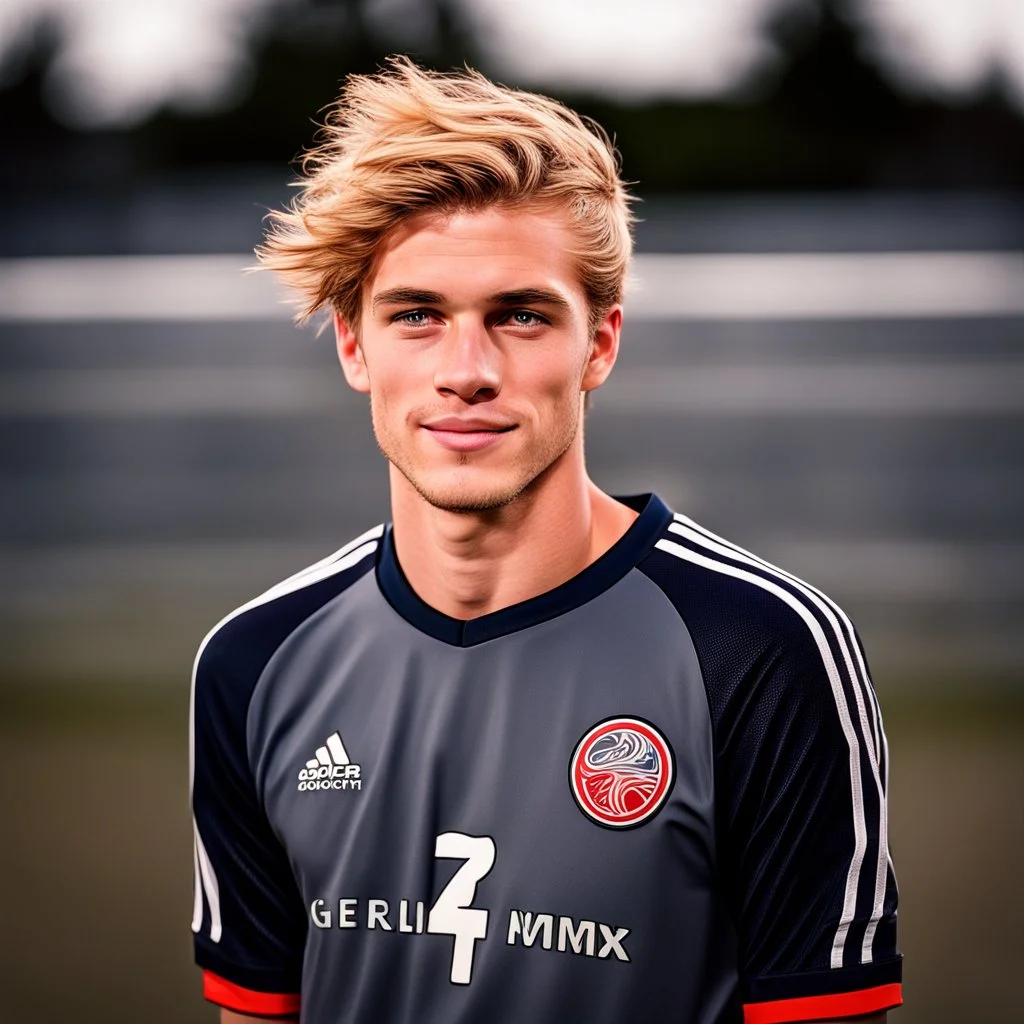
x=469, y=564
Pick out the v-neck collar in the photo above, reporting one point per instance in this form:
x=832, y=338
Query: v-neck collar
x=596, y=578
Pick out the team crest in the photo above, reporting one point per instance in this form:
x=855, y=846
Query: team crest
x=621, y=772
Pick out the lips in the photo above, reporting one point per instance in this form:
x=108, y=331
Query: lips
x=466, y=435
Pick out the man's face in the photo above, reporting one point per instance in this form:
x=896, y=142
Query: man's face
x=475, y=348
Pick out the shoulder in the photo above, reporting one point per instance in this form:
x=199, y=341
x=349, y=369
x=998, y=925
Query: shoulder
x=241, y=644
x=754, y=624
x=708, y=577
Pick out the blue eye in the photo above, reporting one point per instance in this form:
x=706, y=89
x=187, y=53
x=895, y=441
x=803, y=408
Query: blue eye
x=525, y=318
x=414, y=317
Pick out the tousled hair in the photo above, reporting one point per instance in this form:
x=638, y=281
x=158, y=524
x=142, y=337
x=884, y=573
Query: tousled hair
x=406, y=141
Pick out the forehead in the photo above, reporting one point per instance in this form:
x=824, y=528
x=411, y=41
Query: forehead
x=490, y=250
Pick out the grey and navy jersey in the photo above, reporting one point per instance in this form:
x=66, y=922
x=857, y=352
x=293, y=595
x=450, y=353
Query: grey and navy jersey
x=654, y=793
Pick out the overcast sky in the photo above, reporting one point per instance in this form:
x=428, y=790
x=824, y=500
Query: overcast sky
x=121, y=59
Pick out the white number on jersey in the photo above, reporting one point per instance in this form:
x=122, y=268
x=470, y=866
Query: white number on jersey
x=452, y=912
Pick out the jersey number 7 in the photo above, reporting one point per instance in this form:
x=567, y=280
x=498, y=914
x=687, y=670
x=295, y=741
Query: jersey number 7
x=452, y=912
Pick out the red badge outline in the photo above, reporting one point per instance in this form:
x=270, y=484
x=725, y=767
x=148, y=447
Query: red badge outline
x=652, y=803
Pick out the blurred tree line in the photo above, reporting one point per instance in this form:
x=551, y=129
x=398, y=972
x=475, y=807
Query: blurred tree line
x=827, y=118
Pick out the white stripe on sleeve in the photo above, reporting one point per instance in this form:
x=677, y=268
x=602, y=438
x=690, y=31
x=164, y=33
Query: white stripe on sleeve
x=832, y=670
x=344, y=558
x=874, y=735
x=197, y=888
x=210, y=886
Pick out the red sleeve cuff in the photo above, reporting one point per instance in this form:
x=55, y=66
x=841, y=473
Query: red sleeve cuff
x=244, y=1000
x=836, y=1006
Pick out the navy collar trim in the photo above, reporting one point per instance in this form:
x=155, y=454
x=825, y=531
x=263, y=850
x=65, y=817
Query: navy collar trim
x=596, y=578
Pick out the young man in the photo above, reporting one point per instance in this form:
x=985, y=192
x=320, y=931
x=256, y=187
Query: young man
x=529, y=753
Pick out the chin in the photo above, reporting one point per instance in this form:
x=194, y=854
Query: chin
x=470, y=487
x=466, y=499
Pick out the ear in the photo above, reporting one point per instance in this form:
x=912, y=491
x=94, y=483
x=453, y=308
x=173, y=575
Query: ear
x=350, y=355
x=604, y=349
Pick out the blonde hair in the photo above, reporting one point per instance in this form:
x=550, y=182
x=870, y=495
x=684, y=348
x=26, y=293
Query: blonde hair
x=405, y=141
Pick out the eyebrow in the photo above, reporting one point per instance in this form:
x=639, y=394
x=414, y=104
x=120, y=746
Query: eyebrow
x=401, y=296
x=516, y=297
x=530, y=297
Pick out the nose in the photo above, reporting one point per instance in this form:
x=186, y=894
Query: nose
x=469, y=363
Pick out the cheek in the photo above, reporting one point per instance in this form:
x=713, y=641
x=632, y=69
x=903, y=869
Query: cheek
x=385, y=381
x=396, y=393
x=555, y=373
x=399, y=370
x=380, y=394
x=567, y=387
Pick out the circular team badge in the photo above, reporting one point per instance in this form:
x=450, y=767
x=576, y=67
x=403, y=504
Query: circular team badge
x=621, y=772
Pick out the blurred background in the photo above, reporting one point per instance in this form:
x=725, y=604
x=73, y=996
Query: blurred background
x=823, y=360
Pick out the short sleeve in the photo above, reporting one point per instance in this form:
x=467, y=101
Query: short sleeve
x=802, y=826
x=248, y=916
x=800, y=784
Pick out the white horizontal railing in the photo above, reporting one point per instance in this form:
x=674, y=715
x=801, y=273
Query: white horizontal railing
x=718, y=286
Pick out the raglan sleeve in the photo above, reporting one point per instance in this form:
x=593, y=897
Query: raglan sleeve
x=248, y=921
x=801, y=776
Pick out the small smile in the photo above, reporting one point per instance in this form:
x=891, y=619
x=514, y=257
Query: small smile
x=468, y=435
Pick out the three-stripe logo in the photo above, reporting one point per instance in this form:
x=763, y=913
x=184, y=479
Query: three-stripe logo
x=332, y=768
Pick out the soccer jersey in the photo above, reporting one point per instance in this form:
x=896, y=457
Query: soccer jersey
x=654, y=793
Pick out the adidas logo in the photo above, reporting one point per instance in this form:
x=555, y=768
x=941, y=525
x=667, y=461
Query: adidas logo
x=331, y=768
